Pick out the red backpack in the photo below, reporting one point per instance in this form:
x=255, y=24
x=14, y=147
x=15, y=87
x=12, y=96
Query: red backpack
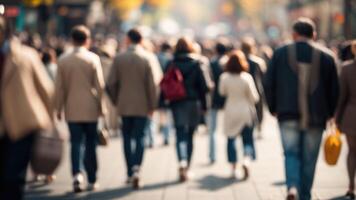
x=172, y=84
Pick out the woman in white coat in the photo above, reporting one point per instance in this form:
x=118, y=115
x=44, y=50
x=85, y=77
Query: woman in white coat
x=237, y=85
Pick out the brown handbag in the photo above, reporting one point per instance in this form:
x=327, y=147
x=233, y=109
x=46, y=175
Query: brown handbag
x=47, y=151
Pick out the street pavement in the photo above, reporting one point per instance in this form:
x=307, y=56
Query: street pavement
x=211, y=182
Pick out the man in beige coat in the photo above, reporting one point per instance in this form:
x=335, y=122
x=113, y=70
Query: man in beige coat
x=25, y=108
x=135, y=95
x=79, y=92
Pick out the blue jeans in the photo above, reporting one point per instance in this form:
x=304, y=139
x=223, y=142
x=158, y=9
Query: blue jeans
x=149, y=131
x=247, y=142
x=133, y=130
x=166, y=126
x=212, y=129
x=84, y=139
x=301, y=149
x=14, y=159
x=184, y=143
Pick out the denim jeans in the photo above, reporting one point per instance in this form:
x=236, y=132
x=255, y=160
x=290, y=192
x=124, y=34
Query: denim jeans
x=133, y=130
x=149, y=131
x=84, y=139
x=166, y=125
x=14, y=159
x=301, y=149
x=184, y=143
x=212, y=129
x=247, y=142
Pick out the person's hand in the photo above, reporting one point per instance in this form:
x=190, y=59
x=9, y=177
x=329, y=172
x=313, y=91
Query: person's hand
x=59, y=116
x=101, y=123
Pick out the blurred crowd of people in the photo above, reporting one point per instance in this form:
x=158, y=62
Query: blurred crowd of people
x=96, y=81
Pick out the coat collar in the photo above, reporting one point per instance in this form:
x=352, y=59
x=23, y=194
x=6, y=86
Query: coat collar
x=135, y=47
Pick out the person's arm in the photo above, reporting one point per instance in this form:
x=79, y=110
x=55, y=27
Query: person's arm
x=222, y=85
x=252, y=93
x=112, y=84
x=151, y=90
x=344, y=94
x=332, y=88
x=44, y=85
x=269, y=85
x=99, y=83
x=202, y=87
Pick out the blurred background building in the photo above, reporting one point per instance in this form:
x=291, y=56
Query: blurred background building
x=265, y=19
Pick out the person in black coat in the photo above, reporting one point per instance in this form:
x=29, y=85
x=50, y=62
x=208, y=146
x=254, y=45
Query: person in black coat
x=187, y=111
x=217, y=64
x=301, y=87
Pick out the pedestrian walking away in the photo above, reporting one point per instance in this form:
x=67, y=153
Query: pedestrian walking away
x=217, y=65
x=188, y=110
x=345, y=116
x=132, y=88
x=301, y=87
x=79, y=93
x=26, y=94
x=239, y=112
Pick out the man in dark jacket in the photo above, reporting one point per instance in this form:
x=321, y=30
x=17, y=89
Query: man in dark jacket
x=217, y=68
x=257, y=68
x=301, y=87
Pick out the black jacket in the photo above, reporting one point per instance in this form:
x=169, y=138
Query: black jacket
x=218, y=101
x=281, y=85
x=194, y=81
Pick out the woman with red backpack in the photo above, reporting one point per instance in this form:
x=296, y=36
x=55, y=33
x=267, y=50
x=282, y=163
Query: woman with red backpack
x=185, y=88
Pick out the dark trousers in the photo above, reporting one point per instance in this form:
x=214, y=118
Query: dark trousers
x=14, y=159
x=184, y=143
x=247, y=142
x=84, y=139
x=133, y=129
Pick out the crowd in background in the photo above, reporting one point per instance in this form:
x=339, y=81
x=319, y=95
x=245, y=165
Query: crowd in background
x=98, y=79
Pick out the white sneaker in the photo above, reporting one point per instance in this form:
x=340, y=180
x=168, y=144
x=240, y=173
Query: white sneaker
x=78, y=183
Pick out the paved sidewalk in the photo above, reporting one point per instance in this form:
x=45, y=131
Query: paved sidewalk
x=210, y=183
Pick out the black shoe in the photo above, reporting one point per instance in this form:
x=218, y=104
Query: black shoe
x=136, y=183
x=183, y=177
x=77, y=188
x=350, y=195
x=291, y=197
x=166, y=143
x=78, y=183
x=246, y=172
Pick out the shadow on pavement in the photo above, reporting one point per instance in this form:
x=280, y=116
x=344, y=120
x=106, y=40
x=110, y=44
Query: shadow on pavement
x=279, y=183
x=160, y=185
x=213, y=183
x=339, y=198
x=102, y=195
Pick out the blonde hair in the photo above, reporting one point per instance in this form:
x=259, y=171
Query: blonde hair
x=353, y=47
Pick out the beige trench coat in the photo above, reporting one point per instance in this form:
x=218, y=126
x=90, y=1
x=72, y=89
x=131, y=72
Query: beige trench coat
x=241, y=97
x=27, y=92
x=80, y=86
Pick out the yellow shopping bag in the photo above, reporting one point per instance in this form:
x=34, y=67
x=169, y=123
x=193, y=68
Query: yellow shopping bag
x=333, y=144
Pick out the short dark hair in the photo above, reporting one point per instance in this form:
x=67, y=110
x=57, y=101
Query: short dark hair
x=135, y=36
x=304, y=27
x=80, y=34
x=223, y=46
x=165, y=46
x=237, y=63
